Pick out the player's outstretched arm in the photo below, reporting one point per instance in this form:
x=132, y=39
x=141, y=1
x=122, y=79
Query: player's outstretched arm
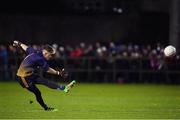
x=19, y=44
x=61, y=73
x=52, y=71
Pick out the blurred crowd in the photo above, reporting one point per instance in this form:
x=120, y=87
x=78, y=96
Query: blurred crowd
x=98, y=50
x=10, y=57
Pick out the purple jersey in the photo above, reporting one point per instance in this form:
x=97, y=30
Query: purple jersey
x=31, y=62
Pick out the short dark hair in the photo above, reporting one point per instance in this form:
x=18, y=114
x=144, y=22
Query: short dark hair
x=49, y=48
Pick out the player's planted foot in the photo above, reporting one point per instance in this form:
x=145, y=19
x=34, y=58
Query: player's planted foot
x=69, y=86
x=51, y=109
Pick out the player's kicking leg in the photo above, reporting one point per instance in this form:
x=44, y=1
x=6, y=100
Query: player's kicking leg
x=53, y=85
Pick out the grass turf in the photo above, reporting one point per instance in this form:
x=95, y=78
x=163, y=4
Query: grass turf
x=93, y=101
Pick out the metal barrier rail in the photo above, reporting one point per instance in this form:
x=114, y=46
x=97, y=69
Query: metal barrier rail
x=111, y=69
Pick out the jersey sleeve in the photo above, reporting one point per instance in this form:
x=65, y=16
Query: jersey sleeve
x=44, y=65
x=30, y=50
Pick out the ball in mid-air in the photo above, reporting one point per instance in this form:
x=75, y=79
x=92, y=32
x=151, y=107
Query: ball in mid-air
x=169, y=51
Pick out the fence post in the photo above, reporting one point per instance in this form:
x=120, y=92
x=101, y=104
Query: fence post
x=114, y=69
x=89, y=69
x=140, y=70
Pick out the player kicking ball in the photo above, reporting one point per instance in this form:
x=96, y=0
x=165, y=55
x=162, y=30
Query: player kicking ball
x=28, y=77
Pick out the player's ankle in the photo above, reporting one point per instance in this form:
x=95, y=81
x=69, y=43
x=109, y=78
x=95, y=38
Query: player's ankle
x=46, y=107
x=61, y=88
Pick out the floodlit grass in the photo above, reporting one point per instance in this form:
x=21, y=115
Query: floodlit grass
x=93, y=101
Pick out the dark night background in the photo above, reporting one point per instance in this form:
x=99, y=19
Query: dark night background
x=116, y=39
x=138, y=21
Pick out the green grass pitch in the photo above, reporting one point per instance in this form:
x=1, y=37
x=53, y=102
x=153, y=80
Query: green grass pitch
x=95, y=101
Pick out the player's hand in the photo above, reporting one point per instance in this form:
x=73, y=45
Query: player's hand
x=63, y=73
x=16, y=43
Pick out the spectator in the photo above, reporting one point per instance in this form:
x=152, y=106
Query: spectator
x=155, y=60
x=77, y=52
x=90, y=52
x=112, y=49
x=13, y=61
x=4, y=61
